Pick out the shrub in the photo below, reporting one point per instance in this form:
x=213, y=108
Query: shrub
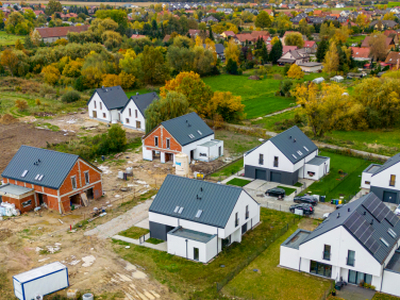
x=80, y=84
x=21, y=105
x=71, y=96
x=38, y=102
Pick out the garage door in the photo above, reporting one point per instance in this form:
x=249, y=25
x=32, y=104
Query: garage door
x=275, y=177
x=261, y=174
x=390, y=197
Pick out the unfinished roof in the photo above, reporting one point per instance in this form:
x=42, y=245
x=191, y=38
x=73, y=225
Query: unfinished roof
x=113, y=97
x=142, y=101
x=318, y=160
x=12, y=189
x=187, y=129
x=369, y=221
x=184, y=198
x=40, y=166
x=296, y=238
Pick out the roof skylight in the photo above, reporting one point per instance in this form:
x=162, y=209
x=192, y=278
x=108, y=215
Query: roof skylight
x=24, y=173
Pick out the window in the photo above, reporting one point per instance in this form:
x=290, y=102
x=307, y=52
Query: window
x=176, y=209
x=276, y=161
x=138, y=124
x=392, y=180
x=73, y=182
x=191, y=136
x=367, y=182
x=392, y=233
x=87, y=181
x=180, y=210
x=156, y=141
x=236, y=219
x=24, y=173
x=37, y=176
x=130, y=112
x=351, y=257
x=104, y=115
x=199, y=212
x=327, y=252
x=247, y=212
x=261, y=159
x=101, y=105
x=40, y=177
x=199, y=132
x=127, y=120
x=320, y=269
x=195, y=253
x=384, y=242
x=358, y=277
x=94, y=104
x=294, y=156
x=27, y=203
x=136, y=113
x=168, y=144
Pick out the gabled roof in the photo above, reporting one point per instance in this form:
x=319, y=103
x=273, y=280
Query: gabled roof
x=142, y=101
x=219, y=48
x=53, y=165
x=309, y=44
x=183, y=127
x=113, y=97
x=216, y=201
x=360, y=52
x=288, y=48
x=368, y=220
x=290, y=142
x=365, y=42
x=392, y=58
x=389, y=163
x=48, y=32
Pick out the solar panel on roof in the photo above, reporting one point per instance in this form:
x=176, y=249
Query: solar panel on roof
x=383, y=213
x=369, y=243
x=392, y=219
x=364, y=236
x=375, y=246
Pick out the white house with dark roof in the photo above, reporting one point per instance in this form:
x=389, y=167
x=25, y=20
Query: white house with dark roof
x=106, y=103
x=285, y=158
x=132, y=114
x=382, y=180
x=356, y=243
x=198, y=219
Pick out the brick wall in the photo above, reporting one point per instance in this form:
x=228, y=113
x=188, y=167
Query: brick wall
x=18, y=203
x=162, y=134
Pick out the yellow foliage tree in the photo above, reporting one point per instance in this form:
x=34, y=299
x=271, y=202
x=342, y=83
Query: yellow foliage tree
x=210, y=45
x=73, y=68
x=111, y=80
x=199, y=42
x=389, y=16
x=9, y=60
x=127, y=80
x=341, y=35
x=331, y=62
x=51, y=74
x=21, y=105
x=61, y=42
x=232, y=51
x=228, y=106
x=295, y=72
x=93, y=77
x=274, y=40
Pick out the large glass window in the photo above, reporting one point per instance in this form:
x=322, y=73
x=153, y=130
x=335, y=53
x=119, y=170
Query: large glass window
x=351, y=258
x=320, y=269
x=327, y=252
x=357, y=277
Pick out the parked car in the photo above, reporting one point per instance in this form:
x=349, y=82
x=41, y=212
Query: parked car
x=276, y=192
x=397, y=210
x=306, y=199
x=305, y=207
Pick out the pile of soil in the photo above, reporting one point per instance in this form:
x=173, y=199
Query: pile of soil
x=7, y=119
x=254, y=77
x=5, y=233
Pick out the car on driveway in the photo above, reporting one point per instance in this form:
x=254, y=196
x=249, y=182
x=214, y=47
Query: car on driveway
x=397, y=210
x=276, y=192
x=306, y=199
x=306, y=208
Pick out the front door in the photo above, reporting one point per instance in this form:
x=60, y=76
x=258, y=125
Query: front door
x=95, y=114
x=389, y=197
x=196, y=253
x=219, y=151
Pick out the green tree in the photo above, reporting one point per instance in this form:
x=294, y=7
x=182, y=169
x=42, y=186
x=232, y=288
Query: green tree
x=232, y=67
x=276, y=52
x=294, y=39
x=322, y=49
x=52, y=7
x=263, y=20
x=154, y=68
x=171, y=106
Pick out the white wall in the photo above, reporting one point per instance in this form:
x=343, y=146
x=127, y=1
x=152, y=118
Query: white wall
x=382, y=179
x=365, y=177
x=100, y=111
x=340, y=241
x=193, y=146
x=211, y=152
x=319, y=171
x=289, y=258
x=147, y=154
x=390, y=284
x=132, y=119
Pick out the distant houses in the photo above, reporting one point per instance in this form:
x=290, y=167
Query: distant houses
x=52, y=34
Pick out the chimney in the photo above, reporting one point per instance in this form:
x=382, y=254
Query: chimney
x=294, y=141
x=372, y=222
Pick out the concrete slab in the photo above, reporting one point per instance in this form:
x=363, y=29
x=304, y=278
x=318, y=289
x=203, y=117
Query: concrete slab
x=354, y=292
x=143, y=224
x=160, y=247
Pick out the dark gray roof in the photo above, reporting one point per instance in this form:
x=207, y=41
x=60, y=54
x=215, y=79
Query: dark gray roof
x=291, y=141
x=390, y=162
x=318, y=160
x=191, y=124
x=219, y=48
x=368, y=220
x=53, y=165
x=192, y=235
x=217, y=201
x=296, y=239
x=142, y=101
x=372, y=168
x=112, y=97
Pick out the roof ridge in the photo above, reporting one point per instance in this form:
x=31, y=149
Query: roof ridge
x=208, y=182
x=50, y=150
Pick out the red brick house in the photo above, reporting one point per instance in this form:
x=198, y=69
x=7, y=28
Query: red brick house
x=37, y=176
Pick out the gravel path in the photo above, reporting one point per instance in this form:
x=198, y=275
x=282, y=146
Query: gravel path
x=123, y=222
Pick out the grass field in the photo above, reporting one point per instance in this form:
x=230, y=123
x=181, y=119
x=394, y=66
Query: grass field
x=192, y=280
x=236, y=143
x=275, y=282
x=134, y=232
x=7, y=39
x=380, y=296
x=336, y=184
x=288, y=191
x=238, y=182
x=140, y=91
x=393, y=4
x=258, y=96
x=229, y=170
x=355, y=39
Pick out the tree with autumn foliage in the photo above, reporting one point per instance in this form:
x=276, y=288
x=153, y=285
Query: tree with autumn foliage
x=295, y=72
x=51, y=74
x=331, y=62
x=127, y=80
x=294, y=39
x=228, y=106
x=110, y=80
x=232, y=51
x=9, y=61
x=189, y=84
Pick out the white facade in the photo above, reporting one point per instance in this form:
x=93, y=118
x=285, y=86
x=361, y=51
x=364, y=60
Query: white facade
x=97, y=110
x=209, y=151
x=382, y=179
x=311, y=69
x=131, y=117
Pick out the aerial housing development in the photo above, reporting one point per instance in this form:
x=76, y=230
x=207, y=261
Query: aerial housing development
x=200, y=150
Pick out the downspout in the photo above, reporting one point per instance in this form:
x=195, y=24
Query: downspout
x=186, y=248
x=217, y=240
x=300, y=264
x=380, y=290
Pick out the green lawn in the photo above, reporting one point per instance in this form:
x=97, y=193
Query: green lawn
x=236, y=143
x=335, y=184
x=238, y=182
x=192, y=280
x=7, y=39
x=355, y=39
x=258, y=96
x=288, y=191
x=275, y=282
x=269, y=123
x=380, y=296
x=134, y=232
x=154, y=241
x=229, y=170
x=140, y=91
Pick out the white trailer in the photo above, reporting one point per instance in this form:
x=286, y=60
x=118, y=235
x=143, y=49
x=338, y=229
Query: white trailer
x=41, y=281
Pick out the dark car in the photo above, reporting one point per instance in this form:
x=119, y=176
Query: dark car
x=276, y=192
x=306, y=208
x=306, y=199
